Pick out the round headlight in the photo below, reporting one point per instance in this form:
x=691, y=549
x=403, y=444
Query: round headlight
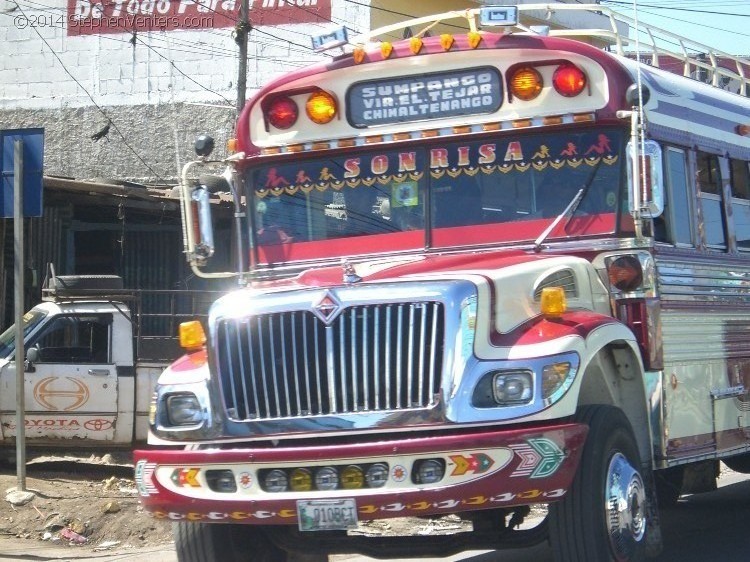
x=301, y=480
x=377, y=475
x=276, y=481
x=326, y=478
x=352, y=478
x=429, y=471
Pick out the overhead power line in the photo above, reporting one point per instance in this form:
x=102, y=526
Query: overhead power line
x=652, y=6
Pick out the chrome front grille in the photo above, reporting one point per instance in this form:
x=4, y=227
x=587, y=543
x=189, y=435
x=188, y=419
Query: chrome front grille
x=370, y=358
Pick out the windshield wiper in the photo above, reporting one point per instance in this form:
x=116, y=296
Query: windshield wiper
x=570, y=209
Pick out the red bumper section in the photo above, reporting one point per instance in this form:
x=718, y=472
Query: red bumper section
x=482, y=471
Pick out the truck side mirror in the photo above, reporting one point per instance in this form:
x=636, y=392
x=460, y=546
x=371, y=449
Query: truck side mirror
x=32, y=356
x=201, y=204
x=650, y=183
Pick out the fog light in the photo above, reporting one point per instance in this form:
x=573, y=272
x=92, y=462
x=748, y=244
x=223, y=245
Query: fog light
x=377, y=475
x=276, y=481
x=184, y=409
x=429, y=471
x=221, y=481
x=352, y=478
x=301, y=480
x=513, y=388
x=326, y=478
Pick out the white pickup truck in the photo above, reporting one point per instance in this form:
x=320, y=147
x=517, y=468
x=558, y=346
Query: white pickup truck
x=93, y=353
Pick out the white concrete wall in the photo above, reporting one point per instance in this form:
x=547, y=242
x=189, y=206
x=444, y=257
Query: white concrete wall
x=72, y=85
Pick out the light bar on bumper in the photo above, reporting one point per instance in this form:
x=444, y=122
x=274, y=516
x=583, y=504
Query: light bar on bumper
x=501, y=468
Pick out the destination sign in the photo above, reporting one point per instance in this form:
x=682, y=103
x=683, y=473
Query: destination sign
x=428, y=96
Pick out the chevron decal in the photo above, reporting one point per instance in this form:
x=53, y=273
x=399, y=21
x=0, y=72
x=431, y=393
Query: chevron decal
x=540, y=458
x=476, y=463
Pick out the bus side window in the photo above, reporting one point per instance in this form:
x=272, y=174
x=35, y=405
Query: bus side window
x=676, y=223
x=740, y=182
x=709, y=189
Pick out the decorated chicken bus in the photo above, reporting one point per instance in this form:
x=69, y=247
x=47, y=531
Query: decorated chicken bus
x=498, y=273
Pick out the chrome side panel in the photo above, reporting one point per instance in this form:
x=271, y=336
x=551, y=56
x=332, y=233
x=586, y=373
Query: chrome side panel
x=706, y=334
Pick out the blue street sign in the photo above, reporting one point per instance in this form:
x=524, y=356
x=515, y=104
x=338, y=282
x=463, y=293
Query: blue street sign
x=33, y=158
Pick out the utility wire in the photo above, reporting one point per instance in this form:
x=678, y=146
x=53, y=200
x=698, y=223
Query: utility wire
x=652, y=6
x=104, y=113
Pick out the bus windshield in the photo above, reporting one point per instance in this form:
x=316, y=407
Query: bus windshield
x=462, y=192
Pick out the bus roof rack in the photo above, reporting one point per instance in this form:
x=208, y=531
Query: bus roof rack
x=648, y=41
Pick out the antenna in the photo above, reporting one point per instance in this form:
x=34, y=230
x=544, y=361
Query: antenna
x=638, y=135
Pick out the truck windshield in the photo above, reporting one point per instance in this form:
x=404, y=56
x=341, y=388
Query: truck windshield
x=444, y=194
x=8, y=338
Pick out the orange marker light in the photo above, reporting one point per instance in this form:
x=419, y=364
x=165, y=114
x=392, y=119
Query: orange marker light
x=474, y=39
x=386, y=49
x=526, y=83
x=192, y=336
x=446, y=41
x=554, y=303
x=415, y=45
x=321, y=107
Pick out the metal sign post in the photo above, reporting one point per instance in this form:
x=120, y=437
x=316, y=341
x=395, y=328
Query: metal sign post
x=18, y=280
x=21, y=162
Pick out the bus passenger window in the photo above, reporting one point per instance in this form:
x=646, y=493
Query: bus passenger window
x=740, y=182
x=678, y=212
x=709, y=186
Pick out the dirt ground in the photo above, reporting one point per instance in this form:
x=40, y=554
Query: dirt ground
x=90, y=501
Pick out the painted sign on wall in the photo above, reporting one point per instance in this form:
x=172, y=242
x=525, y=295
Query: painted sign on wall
x=90, y=17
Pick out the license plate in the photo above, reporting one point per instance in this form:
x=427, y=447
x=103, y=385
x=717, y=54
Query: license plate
x=327, y=515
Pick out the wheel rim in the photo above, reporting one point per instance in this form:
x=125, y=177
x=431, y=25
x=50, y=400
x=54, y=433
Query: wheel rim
x=626, y=507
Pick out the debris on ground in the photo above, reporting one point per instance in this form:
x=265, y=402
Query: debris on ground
x=89, y=501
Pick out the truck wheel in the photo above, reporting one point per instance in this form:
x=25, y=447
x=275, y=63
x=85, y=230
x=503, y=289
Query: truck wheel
x=602, y=518
x=201, y=542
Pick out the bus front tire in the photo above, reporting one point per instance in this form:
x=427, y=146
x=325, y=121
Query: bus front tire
x=219, y=542
x=603, y=516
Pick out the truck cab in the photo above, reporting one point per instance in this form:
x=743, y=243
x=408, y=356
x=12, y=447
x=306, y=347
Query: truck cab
x=93, y=354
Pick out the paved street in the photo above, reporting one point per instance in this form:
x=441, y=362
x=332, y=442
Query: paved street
x=704, y=527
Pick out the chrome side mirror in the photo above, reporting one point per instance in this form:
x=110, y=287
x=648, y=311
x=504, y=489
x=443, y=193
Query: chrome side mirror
x=650, y=185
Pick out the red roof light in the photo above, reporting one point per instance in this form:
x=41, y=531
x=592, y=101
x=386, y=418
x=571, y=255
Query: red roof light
x=569, y=80
x=282, y=113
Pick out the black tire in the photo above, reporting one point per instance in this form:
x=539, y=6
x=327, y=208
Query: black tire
x=214, y=184
x=218, y=542
x=583, y=526
x=740, y=463
x=86, y=282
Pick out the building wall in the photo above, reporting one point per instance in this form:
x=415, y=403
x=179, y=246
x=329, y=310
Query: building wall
x=126, y=102
x=129, y=105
